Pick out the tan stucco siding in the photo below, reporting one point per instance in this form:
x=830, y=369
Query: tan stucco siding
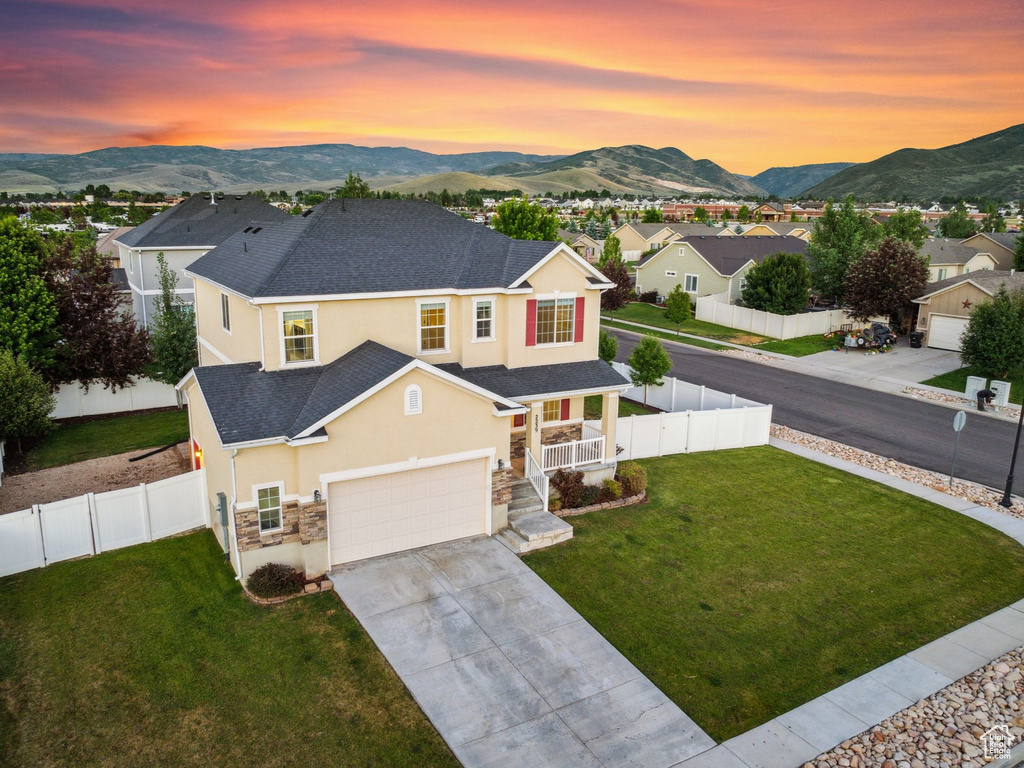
x=952, y=303
x=682, y=260
x=1003, y=257
x=377, y=432
x=980, y=262
x=242, y=344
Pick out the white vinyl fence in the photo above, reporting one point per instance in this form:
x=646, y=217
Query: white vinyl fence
x=716, y=309
x=696, y=419
x=94, y=523
x=74, y=401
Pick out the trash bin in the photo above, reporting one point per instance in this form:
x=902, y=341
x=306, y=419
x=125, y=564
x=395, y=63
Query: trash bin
x=915, y=339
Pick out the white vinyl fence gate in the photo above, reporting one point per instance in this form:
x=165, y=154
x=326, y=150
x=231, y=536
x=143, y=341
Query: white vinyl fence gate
x=695, y=419
x=94, y=523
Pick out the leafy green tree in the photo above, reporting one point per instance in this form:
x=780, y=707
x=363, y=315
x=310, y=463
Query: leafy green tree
x=725, y=215
x=743, y=214
x=314, y=198
x=993, y=341
x=612, y=251
x=44, y=216
x=886, y=280
x=840, y=237
x=653, y=216
x=677, y=306
x=607, y=346
x=354, y=186
x=780, y=284
x=993, y=221
x=616, y=298
x=957, y=224
x=701, y=214
x=174, y=330
x=906, y=225
x=25, y=400
x=28, y=313
x=523, y=220
x=648, y=363
x=1018, y=253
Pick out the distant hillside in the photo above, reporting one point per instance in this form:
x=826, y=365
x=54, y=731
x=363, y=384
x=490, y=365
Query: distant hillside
x=792, y=180
x=636, y=169
x=991, y=165
x=172, y=169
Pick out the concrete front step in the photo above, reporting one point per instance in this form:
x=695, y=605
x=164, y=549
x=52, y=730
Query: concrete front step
x=534, y=530
x=525, y=503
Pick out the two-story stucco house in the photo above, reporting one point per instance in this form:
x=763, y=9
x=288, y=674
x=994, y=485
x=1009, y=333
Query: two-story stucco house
x=183, y=233
x=371, y=372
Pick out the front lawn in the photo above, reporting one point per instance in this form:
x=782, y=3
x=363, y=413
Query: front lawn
x=151, y=655
x=593, y=409
x=649, y=314
x=957, y=381
x=69, y=443
x=801, y=346
x=667, y=335
x=754, y=580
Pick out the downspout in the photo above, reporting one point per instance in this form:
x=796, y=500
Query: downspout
x=263, y=351
x=234, y=500
x=142, y=291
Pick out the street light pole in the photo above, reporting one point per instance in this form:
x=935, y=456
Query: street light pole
x=1013, y=463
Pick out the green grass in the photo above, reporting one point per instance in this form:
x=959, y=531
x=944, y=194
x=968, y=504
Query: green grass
x=801, y=346
x=957, y=381
x=754, y=581
x=151, y=655
x=592, y=408
x=671, y=336
x=649, y=314
x=105, y=437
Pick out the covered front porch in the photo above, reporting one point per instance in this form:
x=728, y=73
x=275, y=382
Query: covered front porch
x=553, y=434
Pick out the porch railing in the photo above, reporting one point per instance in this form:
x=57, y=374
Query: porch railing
x=574, y=454
x=537, y=478
x=590, y=432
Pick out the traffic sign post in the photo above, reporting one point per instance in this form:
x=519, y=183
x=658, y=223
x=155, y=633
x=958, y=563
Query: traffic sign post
x=958, y=424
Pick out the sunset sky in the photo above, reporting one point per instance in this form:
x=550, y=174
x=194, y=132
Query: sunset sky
x=748, y=85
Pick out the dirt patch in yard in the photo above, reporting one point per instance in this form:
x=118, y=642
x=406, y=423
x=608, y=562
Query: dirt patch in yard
x=93, y=476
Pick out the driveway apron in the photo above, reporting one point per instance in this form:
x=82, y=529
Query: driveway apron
x=506, y=671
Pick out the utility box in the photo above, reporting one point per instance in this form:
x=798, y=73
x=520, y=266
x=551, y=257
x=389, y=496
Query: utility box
x=1002, y=390
x=974, y=385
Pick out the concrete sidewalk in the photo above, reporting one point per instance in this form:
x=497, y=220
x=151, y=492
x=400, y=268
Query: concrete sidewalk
x=800, y=735
x=505, y=669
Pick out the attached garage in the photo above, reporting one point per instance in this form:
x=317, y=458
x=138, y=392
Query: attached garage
x=945, y=331
x=385, y=513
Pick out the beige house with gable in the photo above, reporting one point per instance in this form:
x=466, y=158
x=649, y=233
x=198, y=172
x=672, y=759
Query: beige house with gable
x=374, y=375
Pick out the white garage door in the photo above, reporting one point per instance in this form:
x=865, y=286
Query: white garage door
x=389, y=513
x=945, y=332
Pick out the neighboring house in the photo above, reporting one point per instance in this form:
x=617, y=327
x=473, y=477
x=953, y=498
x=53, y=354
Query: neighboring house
x=709, y=265
x=585, y=245
x=371, y=372
x=951, y=258
x=772, y=211
x=106, y=246
x=183, y=233
x=791, y=229
x=998, y=245
x=945, y=307
x=636, y=239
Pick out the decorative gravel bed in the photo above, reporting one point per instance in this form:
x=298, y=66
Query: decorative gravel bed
x=939, y=397
x=747, y=355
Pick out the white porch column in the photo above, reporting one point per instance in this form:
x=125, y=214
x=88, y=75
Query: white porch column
x=534, y=422
x=609, y=420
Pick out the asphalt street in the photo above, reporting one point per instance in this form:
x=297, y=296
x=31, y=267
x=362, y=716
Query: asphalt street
x=911, y=431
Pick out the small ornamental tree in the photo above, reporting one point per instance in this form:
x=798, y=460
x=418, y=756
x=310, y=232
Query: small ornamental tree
x=648, y=364
x=653, y=216
x=677, y=306
x=612, y=251
x=701, y=214
x=523, y=220
x=354, y=186
x=174, y=330
x=993, y=341
x=743, y=214
x=25, y=400
x=607, y=346
x=617, y=297
x=780, y=284
x=885, y=281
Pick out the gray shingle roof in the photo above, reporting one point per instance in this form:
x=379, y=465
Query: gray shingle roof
x=539, y=380
x=120, y=279
x=249, y=404
x=943, y=251
x=728, y=254
x=195, y=222
x=368, y=246
x=989, y=280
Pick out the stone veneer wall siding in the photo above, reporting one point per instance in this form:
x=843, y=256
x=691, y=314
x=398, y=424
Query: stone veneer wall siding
x=517, y=445
x=302, y=524
x=501, y=486
x=566, y=433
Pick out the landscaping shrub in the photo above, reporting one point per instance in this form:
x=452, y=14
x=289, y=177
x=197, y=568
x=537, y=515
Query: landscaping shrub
x=591, y=495
x=633, y=478
x=648, y=297
x=275, y=580
x=554, y=505
x=570, y=487
x=611, y=490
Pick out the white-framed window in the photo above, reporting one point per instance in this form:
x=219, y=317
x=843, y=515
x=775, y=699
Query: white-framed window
x=942, y=274
x=743, y=283
x=483, y=320
x=298, y=336
x=690, y=284
x=268, y=506
x=131, y=262
x=670, y=273
x=225, y=312
x=556, y=321
x=433, y=325
x=552, y=410
x=413, y=400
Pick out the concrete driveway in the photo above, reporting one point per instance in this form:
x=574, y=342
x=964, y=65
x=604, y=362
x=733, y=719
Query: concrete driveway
x=902, y=363
x=506, y=671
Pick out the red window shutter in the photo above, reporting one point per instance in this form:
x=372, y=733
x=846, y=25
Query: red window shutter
x=519, y=420
x=531, y=322
x=565, y=409
x=578, y=320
